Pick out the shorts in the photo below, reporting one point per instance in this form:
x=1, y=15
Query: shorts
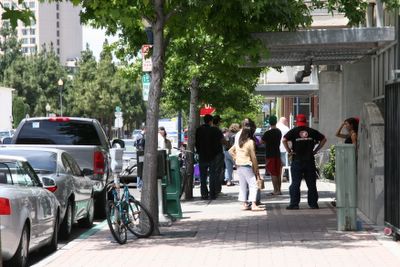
x=274, y=166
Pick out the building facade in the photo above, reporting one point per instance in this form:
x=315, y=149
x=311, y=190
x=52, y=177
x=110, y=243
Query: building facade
x=57, y=25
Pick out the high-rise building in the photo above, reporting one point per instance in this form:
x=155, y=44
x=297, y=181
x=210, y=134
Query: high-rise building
x=57, y=25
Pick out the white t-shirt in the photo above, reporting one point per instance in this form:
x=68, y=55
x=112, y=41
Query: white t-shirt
x=161, y=142
x=284, y=129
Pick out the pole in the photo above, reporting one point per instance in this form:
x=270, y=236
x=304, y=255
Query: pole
x=61, y=103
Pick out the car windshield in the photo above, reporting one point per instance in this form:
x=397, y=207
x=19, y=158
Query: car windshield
x=58, y=132
x=41, y=161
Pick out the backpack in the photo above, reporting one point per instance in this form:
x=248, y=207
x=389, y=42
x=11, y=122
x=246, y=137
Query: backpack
x=139, y=143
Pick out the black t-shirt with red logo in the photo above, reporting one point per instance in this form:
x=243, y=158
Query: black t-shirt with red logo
x=303, y=141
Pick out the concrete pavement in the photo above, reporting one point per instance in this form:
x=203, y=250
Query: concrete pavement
x=219, y=233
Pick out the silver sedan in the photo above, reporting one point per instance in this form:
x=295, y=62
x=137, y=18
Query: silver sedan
x=29, y=213
x=73, y=190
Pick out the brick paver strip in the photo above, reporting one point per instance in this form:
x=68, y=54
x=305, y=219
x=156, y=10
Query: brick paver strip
x=219, y=233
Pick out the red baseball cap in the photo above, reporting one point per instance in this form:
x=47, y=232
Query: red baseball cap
x=301, y=120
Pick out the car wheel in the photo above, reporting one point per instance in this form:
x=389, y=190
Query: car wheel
x=100, y=204
x=88, y=221
x=20, y=257
x=66, y=225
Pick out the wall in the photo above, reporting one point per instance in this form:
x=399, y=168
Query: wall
x=370, y=176
x=5, y=108
x=330, y=104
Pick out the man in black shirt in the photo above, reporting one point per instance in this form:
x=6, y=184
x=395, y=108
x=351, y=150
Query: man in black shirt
x=208, y=146
x=272, y=140
x=303, y=139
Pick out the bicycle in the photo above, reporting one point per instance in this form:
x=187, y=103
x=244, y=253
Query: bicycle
x=124, y=212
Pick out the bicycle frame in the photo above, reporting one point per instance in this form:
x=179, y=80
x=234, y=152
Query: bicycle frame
x=119, y=201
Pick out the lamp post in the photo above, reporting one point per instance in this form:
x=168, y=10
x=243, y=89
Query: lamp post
x=48, y=108
x=60, y=88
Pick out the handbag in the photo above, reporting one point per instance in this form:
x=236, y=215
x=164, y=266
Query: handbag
x=260, y=184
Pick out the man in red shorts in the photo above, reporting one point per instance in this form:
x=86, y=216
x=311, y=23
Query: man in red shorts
x=273, y=164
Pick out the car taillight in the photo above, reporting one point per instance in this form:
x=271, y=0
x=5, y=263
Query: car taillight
x=98, y=163
x=5, y=208
x=59, y=119
x=52, y=188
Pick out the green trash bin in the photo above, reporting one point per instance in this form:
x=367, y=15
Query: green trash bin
x=172, y=193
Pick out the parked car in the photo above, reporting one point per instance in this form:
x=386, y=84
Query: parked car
x=5, y=134
x=29, y=213
x=83, y=138
x=129, y=155
x=73, y=190
x=260, y=146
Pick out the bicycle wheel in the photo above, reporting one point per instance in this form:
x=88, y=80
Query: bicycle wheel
x=117, y=228
x=140, y=223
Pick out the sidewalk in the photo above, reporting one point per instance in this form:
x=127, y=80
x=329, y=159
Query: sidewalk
x=219, y=233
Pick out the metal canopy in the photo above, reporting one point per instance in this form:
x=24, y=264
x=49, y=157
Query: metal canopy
x=323, y=46
x=293, y=89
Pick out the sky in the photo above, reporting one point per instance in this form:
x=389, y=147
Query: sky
x=95, y=38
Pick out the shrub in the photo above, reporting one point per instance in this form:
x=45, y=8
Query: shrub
x=328, y=170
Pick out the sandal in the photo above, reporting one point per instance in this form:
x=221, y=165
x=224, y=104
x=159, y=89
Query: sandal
x=257, y=208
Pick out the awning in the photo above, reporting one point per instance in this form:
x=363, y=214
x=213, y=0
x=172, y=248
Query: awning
x=292, y=89
x=323, y=46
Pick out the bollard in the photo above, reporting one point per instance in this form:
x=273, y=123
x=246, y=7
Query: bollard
x=346, y=187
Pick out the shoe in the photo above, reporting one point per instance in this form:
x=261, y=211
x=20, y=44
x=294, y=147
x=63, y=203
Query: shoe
x=204, y=197
x=229, y=184
x=333, y=203
x=213, y=197
x=292, y=207
x=314, y=207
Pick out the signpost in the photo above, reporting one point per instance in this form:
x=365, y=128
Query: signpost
x=147, y=63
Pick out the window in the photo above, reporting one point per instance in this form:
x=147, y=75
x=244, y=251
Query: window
x=18, y=174
x=33, y=40
x=58, y=15
x=58, y=24
x=74, y=166
x=58, y=42
x=57, y=6
x=6, y=5
x=32, y=31
x=66, y=165
x=58, y=132
x=24, y=31
x=32, y=50
x=31, y=5
x=24, y=40
x=58, y=33
x=5, y=175
x=24, y=50
x=58, y=51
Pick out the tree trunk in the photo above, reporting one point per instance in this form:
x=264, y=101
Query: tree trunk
x=193, y=123
x=149, y=192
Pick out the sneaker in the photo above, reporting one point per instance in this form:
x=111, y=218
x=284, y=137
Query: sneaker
x=315, y=207
x=292, y=207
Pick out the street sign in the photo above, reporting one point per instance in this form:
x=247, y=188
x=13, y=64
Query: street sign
x=146, y=79
x=147, y=63
x=146, y=90
x=207, y=110
x=117, y=109
x=118, y=122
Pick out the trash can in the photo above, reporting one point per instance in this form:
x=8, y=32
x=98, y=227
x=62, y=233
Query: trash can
x=346, y=187
x=172, y=195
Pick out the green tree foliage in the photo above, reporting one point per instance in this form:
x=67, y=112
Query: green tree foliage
x=19, y=110
x=35, y=79
x=10, y=47
x=14, y=13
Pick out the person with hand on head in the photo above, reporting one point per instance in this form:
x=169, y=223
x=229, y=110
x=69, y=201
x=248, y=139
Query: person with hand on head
x=351, y=125
x=304, y=140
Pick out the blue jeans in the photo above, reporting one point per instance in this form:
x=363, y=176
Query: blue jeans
x=228, y=167
x=303, y=169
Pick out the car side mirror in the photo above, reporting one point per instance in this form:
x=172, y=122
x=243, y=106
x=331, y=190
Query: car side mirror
x=87, y=172
x=7, y=140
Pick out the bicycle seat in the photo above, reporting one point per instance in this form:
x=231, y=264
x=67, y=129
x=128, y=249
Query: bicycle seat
x=127, y=179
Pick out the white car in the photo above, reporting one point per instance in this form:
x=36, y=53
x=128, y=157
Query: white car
x=29, y=213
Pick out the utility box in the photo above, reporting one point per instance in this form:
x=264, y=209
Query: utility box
x=346, y=187
x=172, y=182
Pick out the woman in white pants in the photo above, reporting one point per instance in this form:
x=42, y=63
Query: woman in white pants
x=244, y=155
